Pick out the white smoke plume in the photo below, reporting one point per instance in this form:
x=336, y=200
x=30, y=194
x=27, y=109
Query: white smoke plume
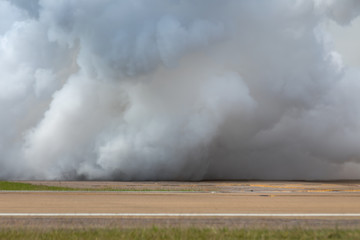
x=176, y=90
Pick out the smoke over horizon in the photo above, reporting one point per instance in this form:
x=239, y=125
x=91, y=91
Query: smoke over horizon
x=177, y=90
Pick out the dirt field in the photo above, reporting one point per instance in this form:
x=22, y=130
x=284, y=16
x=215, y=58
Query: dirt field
x=202, y=197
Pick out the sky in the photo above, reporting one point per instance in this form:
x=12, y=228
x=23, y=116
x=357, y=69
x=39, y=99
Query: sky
x=346, y=41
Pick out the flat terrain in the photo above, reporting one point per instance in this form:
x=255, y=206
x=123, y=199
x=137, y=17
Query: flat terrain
x=217, y=186
x=183, y=197
x=160, y=202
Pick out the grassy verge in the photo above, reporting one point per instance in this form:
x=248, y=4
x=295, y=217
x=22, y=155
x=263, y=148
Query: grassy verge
x=16, y=186
x=178, y=233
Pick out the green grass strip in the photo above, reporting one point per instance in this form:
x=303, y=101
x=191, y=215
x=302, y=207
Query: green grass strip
x=16, y=186
x=177, y=233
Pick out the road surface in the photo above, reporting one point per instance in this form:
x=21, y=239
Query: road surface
x=266, y=203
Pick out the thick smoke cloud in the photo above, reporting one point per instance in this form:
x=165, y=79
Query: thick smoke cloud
x=176, y=90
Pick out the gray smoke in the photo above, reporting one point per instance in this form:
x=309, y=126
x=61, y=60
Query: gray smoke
x=176, y=90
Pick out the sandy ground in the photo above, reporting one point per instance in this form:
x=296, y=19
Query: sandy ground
x=211, y=197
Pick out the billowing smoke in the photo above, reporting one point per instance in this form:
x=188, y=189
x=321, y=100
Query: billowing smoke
x=176, y=90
